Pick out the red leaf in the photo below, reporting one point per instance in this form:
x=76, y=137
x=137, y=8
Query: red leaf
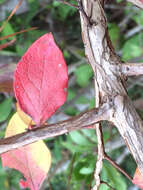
x=138, y=179
x=40, y=80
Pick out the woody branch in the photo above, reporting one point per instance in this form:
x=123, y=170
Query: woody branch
x=109, y=72
x=109, y=78
x=46, y=131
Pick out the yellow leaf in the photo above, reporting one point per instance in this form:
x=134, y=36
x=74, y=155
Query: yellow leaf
x=33, y=160
x=26, y=118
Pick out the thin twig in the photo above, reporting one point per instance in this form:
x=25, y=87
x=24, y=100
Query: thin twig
x=2, y=46
x=11, y=14
x=97, y=100
x=67, y=3
x=117, y=167
x=20, y=32
x=70, y=172
x=100, y=157
x=121, y=158
x=100, y=144
x=133, y=31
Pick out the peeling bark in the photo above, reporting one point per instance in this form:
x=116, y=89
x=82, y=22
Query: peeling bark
x=110, y=80
x=132, y=69
x=47, y=131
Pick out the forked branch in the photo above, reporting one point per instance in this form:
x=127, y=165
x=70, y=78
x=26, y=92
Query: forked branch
x=83, y=120
x=110, y=80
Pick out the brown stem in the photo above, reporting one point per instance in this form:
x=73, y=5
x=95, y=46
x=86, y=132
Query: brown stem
x=11, y=14
x=70, y=172
x=110, y=80
x=2, y=46
x=20, y=32
x=100, y=157
x=117, y=166
x=132, y=69
x=78, y=122
x=67, y=3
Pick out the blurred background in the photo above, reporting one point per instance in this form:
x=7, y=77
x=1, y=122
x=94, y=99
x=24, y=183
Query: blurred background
x=73, y=155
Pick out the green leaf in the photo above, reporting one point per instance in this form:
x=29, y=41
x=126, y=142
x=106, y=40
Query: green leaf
x=4, y=181
x=132, y=48
x=78, y=141
x=2, y=1
x=20, y=49
x=76, y=172
x=83, y=167
x=82, y=100
x=5, y=109
x=78, y=138
x=56, y=3
x=78, y=148
x=138, y=18
x=91, y=134
x=33, y=8
x=119, y=1
x=57, y=150
x=63, y=10
x=114, y=33
x=86, y=171
x=71, y=94
x=66, y=54
x=113, y=177
x=71, y=111
x=83, y=74
x=8, y=29
x=92, y=103
x=104, y=187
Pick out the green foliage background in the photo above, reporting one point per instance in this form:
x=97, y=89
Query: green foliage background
x=74, y=155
